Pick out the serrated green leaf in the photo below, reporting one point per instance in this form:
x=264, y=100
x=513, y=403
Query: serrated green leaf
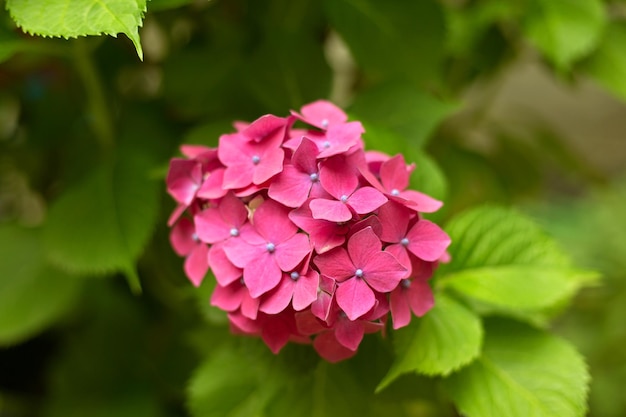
x=445, y=339
x=522, y=372
x=565, y=30
x=608, y=64
x=74, y=18
x=402, y=109
x=504, y=258
x=102, y=224
x=526, y=287
x=33, y=294
x=392, y=38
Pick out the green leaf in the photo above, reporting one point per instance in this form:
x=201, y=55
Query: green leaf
x=234, y=382
x=393, y=37
x=502, y=257
x=402, y=109
x=527, y=287
x=445, y=339
x=33, y=294
x=522, y=372
x=608, y=64
x=565, y=30
x=73, y=18
x=102, y=224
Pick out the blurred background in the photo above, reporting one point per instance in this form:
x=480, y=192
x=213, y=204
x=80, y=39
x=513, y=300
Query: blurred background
x=517, y=102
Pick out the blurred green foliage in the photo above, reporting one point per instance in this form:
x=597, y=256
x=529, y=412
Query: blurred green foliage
x=96, y=317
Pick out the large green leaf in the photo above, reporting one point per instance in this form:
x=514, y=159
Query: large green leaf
x=522, y=372
x=565, y=30
x=503, y=258
x=608, y=64
x=73, y=18
x=101, y=224
x=33, y=294
x=445, y=339
x=393, y=37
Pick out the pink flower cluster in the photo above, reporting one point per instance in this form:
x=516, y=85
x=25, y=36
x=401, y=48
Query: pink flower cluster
x=310, y=237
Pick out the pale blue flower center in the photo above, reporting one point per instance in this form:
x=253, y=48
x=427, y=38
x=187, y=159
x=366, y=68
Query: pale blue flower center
x=314, y=177
x=256, y=159
x=325, y=123
x=195, y=237
x=405, y=283
x=270, y=247
x=326, y=144
x=344, y=198
x=234, y=232
x=404, y=242
x=395, y=192
x=358, y=273
x=295, y=276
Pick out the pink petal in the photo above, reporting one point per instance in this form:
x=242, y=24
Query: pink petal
x=181, y=237
x=322, y=114
x=243, y=324
x=291, y=252
x=324, y=235
x=305, y=156
x=383, y=272
x=341, y=138
x=400, y=310
x=349, y=333
x=198, y=151
x=231, y=149
x=427, y=241
x=265, y=126
x=229, y=297
x=279, y=298
x=337, y=178
x=196, y=265
x=241, y=253
x=402, y=256
x=305, y=290
x=225, y=272
x=355, y=298
x=420, y=297
x=335, y=264
x=291, y=187
x=238, y=176
x=212, y=187
x=249, y=306
x=366, y=199
x=184, y=179
x=394, y=219
x=394, y=173
x=362, y=246
x=320, y=308
x=422, y=202
x=178, y=211
x=210, y=226
x=331, y=210
x=327, y=346
x=308, y=324
x=233, y=210
x=261, y=275
x=271, y=220
x=270, y=165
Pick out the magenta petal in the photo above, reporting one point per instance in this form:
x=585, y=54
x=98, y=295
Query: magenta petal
x=264, y=126
x=291, y=252
x=349, y=333
x=427, y=241
x=233, y=211
x=291, y=187
x=183, y=179
x=241, y=253
x=327, y=346
x=337, y=177
x=420, y=297
x=422, y=202
x=402, y=256
x=394, y=219
x=225, y=272
x=341, y=138
x=196, y=265
x=210, y=226
x=271, y=220
x=238, y=176
x=355, y=298
x=320, y=308
x=279, y=298
x=400, y=310
x=305, y=290
x=322, y=114
x=362, y=246
x=331, y=210
x=394, y=173
x=366, y=199
x=383, y=272
x=270, y=165
x=307, y=324
x=261, y=275
x=181, y=237
x=212, y=187
x=229, y=297
x=275, y=334
x=324, y=235
x=305, y=156
x=335, y=264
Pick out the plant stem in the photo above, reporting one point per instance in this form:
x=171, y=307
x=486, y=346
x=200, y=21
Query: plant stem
x=98, y=114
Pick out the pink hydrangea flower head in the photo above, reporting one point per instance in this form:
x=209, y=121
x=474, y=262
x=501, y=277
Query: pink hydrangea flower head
x=310, y=238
